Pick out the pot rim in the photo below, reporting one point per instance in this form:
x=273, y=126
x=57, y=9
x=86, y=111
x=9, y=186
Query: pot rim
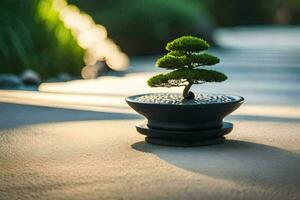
x=238, y=99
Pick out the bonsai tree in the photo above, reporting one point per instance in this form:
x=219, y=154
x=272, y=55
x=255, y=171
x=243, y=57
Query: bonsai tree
x=185, y=58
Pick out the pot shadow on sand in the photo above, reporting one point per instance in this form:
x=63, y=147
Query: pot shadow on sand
x=234, y=160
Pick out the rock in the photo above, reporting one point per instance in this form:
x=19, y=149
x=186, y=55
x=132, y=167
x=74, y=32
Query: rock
x=30, y=77
x=10, y=81
x=64, y=77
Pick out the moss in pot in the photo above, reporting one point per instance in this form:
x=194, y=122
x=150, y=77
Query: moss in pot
x=185, y=119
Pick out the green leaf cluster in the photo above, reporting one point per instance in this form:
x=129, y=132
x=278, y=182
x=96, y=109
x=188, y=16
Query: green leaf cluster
x=182, y=76
x=176, y=59
x=188, y=44
x=184, y=57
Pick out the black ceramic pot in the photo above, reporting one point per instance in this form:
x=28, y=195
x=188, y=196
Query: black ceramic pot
x=186, y=123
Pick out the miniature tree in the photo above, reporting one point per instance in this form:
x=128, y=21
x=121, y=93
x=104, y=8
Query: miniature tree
x=185, y=57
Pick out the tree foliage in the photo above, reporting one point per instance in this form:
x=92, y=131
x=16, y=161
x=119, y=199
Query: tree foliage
x=185, y=57
x=188, y=44
x=179, y=77
x=173, y=61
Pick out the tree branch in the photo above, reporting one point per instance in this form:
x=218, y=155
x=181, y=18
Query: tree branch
x=185, y=93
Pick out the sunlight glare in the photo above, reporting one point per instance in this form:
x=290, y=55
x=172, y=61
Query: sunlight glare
x=91, y=37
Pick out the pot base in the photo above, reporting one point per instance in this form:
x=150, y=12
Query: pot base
x=206, y=142
x=185, y=138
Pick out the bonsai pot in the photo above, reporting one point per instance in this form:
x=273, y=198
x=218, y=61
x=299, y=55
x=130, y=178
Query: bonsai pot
x=175, y=121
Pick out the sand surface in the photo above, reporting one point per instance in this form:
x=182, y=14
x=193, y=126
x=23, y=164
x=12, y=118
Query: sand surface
x=49, y=153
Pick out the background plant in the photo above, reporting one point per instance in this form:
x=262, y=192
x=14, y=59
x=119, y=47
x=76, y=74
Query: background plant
x=29, y=41
x=33, y=37
x=253, y=12
x=143, y=26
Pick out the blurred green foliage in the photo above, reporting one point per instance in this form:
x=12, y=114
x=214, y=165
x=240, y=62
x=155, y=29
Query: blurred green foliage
x=253, y=12
x=30, y=40
x=293, y=8
x=143, y=26
x=32, y=35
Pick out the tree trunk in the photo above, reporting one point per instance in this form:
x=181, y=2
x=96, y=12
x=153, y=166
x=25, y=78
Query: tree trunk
x=186, y=90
